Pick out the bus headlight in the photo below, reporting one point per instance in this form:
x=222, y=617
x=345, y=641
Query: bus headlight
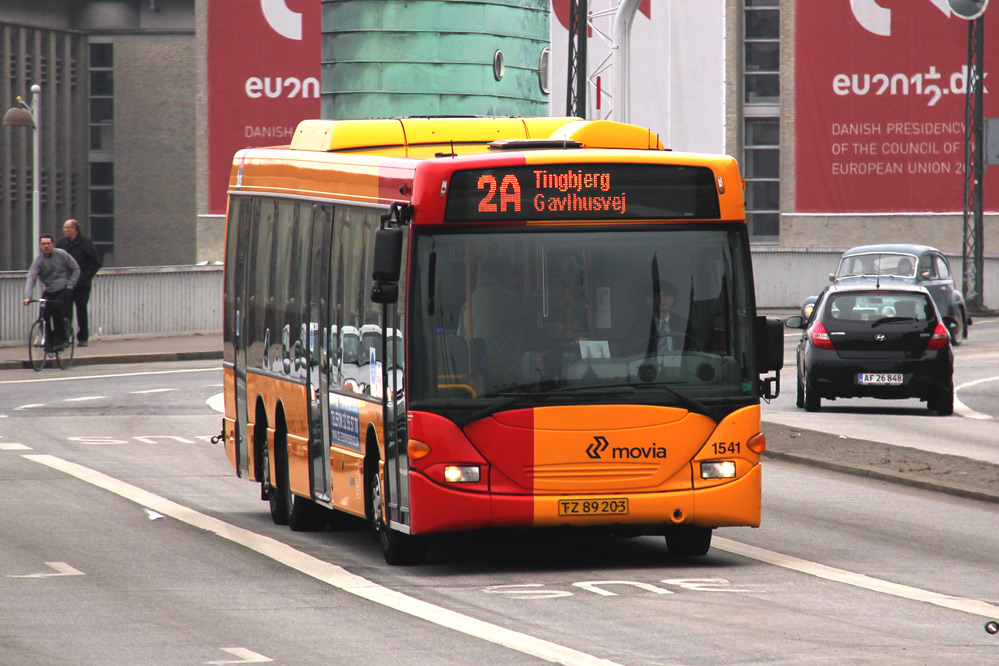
x=462, y=473
x=718, y=469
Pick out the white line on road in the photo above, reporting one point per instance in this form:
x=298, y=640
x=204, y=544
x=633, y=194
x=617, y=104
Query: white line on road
x=962, y=409
x=973, y=606
x=245, y=657
x=61, y=569
x=35, y=405
x=13, y=446
x=217, y=402
x=328, y=573
x=159, y=390
x=85, y=398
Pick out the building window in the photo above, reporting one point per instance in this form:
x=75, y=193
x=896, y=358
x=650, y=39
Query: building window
x=761, y=111
x=762, y=172
x=101, y=182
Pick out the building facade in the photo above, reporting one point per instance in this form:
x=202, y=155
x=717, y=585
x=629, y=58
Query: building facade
x=145, y=101
x=116, y=128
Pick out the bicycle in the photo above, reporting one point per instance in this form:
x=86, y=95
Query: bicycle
x=39, y=348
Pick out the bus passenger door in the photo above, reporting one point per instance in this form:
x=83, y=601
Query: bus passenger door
x=394, y=397
x=319, y=349
x=239, y=337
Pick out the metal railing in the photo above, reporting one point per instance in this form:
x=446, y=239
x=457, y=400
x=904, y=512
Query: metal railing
x=172, y=300
x=127, y=302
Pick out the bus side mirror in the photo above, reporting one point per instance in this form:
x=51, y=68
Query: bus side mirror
x=386, y=265
x=388, y=255
x=770, y=352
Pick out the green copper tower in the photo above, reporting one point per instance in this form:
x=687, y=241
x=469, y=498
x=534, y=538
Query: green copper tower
x=386, y=58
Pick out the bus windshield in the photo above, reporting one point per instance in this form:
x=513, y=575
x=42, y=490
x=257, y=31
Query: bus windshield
x=528, y=317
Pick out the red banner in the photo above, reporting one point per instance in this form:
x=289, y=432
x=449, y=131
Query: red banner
x=880, y=103
x=263, y=78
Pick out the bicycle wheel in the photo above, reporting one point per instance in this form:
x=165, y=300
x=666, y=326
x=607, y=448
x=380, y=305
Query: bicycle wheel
x=64, y=357
x=36, y=345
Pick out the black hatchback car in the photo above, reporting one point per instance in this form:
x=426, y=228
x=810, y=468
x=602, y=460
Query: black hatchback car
x=877, y=341
x=913, y=264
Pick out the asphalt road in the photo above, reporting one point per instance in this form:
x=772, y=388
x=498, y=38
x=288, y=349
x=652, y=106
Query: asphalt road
x=127, y=539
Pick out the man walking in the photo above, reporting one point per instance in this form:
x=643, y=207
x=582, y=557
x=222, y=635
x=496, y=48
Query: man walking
x=82, y=249
x=58, y=273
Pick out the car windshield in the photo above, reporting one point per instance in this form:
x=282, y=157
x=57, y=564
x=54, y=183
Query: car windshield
x=877, y=264
x=880, y=306
x=529, y=317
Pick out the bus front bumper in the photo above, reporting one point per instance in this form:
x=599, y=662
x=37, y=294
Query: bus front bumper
x=436, y=508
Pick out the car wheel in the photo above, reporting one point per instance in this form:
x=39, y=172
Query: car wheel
x=942, y=403
x=813, y=402
x=799, y=401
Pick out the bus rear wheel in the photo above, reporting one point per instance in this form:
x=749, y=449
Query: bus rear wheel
x=397, y=547
x=279, y=495
x=688, y=540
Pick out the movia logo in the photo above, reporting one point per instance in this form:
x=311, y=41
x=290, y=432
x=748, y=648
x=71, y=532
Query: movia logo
x=600, y=445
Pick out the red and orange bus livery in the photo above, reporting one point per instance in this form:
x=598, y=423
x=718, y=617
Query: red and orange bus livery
x=450, y=324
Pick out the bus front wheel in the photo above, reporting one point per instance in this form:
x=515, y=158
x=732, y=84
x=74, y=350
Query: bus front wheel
x=688, y=540
x=397, y=547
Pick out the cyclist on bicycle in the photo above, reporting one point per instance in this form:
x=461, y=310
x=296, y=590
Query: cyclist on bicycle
x=58, y=273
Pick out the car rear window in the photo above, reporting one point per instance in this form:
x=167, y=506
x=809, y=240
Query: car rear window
x=874, y=305
x=877, y=263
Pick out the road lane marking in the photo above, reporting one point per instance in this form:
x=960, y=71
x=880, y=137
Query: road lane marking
x=120, y=374
x=31, y=406
x=13, y=446
x=217, y=402
x=61, y=569
x=973, y=606
x=967, y=412
x=85, y=398
x=159, y=390
x=245, y=657
x=328, y=573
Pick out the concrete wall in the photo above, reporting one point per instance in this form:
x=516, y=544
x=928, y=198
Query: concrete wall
x=155, y=158
x=129, y=302
x=165, y=300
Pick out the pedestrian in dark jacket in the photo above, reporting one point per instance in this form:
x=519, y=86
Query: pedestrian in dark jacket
x=82, y=249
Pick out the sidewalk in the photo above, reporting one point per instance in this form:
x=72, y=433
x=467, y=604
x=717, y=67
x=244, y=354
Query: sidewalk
x=189, y=347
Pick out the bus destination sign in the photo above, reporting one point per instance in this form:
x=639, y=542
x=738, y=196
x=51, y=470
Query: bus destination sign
x=582, y=191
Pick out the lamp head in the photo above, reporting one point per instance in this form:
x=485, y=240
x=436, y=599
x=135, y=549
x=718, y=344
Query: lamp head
x=18, y=117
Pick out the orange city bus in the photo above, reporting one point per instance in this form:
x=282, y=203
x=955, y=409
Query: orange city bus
x=450, y=324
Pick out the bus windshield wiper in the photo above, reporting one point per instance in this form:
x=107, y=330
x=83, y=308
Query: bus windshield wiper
x=697, y=405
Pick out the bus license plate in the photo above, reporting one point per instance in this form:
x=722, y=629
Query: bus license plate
x=880, y=378
x=592, y=507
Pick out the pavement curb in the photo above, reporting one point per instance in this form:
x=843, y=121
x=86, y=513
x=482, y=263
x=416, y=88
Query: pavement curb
x=883, y=475
x=152, y=357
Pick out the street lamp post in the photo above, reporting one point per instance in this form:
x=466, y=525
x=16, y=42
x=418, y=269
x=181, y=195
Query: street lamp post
x=28, y=115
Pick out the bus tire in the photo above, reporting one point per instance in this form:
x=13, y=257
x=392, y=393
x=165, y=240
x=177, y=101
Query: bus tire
x=688, y=540
x=397, y=547
x=306, y=515
x=279, y=494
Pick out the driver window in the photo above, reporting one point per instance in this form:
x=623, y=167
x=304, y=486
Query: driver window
x=926, y=267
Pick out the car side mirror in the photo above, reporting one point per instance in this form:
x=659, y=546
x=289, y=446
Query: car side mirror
x=795, y=321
